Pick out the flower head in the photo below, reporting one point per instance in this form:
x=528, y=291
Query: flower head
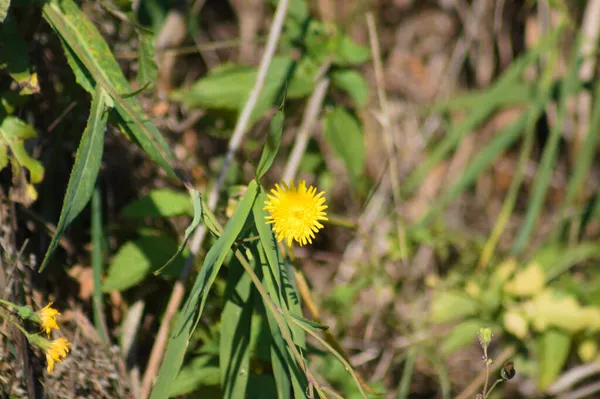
x=47, y=318
x=295, y=212
x=56, y=351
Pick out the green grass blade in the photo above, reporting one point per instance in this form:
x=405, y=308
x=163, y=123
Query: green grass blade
x=483, y=160
x=570, y=85
x=490, y=102
x=236, y=324
x=98, y=265
x=283, y=295
x=513, y=191
x=272, y=144
x=192, y=310
x=407, y=374
x=584, y=160
x=85, y=169
x=87, y=48
x=280, y=359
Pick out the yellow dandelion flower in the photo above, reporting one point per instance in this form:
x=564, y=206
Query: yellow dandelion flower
x=295, y=212
x=56, y=351
x=47, y=317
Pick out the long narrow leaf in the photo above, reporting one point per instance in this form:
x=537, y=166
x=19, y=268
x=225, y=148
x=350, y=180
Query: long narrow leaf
x=87, y=48
x=542, y=180
x=236, y=324
x=85, y=169
x=192, y=310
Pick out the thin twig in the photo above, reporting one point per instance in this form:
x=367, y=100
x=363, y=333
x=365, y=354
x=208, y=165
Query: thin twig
x=388, y=130
x=234, y=144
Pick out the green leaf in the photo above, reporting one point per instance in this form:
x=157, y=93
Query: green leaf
x=557, y=259
x=135, y=260
x=569, y=85
x=553, y=348
x=13, y=133
x=493, y=99
x=228, y=87
x=85, y=169
x=463, y=334
x=147, y=69
x=91, y=58
x=272, y=144
x=197, y=203
x=162, y=202
x=236, y=324
x=349, y=52
x=201, y=372
x=97, y=239
x=4, y=6
x=452, y=305
x=192, y=310
x=281, y=286
x=310, y=324
x=354, y=83
x=407, y=374
x=344, y=134
x=14, y=57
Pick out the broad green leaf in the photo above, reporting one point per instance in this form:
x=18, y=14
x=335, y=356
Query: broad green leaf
x=557, y=259
x=13, y=55
x=147, y=69
x=201, y=374
x=162, y=202
x=192, y=310
x=344, y=134
x=228, y=87
x=13, y=133
x=461, y=335
x=553, y=349
x=262, y=386
x=349, y=52
x=354, y=83
x=527, y=282
x=85, y=169
x=297, y=9
x=452, y=305
x=4, y=6
x=91, y=57
x=236, y=325
x=135, y=260
x=197, y=203
x=272, y=144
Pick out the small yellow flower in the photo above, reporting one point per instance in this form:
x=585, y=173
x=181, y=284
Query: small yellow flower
x=47, y=318
x=56, y=351
x=295, y=212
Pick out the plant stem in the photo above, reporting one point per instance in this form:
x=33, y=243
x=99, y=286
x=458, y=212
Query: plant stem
x=487, y=370
x=7, y=303
x=498, y=381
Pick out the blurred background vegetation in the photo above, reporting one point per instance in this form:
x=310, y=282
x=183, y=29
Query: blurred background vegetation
x=455, y=141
